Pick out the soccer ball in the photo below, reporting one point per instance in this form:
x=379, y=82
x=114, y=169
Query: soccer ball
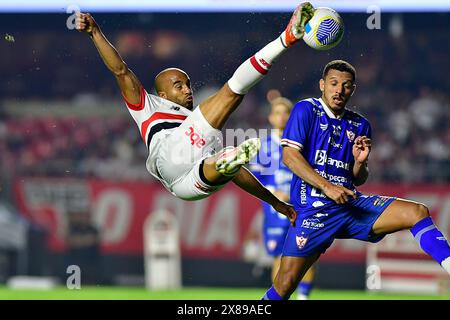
x=325, y=29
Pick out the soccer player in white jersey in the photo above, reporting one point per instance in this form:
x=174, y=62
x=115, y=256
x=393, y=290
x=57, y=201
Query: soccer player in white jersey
x=184, y=144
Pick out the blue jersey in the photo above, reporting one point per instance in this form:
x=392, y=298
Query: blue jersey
x=274, y=175
x=326, y=142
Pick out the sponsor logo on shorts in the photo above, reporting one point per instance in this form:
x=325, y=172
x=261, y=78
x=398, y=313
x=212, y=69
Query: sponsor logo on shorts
x=380, y=201
x=317, y=204
x=319, y=214
x=301, y=241
x=196, y=139
x=312, y=223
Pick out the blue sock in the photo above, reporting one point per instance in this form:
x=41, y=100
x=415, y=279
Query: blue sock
x=304, y=288
x=272, y=294
x=431, y=240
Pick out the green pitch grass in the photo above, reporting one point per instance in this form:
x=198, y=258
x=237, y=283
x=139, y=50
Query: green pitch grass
x=126, y=293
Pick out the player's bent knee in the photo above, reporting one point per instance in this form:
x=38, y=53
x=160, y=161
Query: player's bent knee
x=421, y=212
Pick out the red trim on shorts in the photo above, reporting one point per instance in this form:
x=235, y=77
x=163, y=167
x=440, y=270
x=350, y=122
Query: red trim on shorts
x=136, y=106
x=159, y=116
x=257, y=66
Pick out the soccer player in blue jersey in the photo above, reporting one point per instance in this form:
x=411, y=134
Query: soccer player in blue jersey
x=327, y=148
x=276, y=176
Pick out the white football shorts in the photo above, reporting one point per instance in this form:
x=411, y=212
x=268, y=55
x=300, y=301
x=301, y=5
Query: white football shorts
x=180, y=155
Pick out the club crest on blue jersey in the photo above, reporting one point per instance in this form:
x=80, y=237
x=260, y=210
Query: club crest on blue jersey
x=350, y=135
x=326, y=142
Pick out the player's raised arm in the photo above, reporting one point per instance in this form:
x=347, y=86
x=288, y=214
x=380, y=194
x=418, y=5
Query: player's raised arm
x=129, y=84
x=361, y=150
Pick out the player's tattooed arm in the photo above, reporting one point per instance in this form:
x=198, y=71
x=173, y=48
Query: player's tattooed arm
x=129, y=84
x=245, y=180
x=295, y=161
x=361, y=150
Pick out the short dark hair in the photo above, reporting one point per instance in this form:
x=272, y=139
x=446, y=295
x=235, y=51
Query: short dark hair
x=339, y=65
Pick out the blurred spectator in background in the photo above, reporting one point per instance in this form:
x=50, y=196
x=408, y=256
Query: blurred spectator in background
x=54, y=123
x=83, y=246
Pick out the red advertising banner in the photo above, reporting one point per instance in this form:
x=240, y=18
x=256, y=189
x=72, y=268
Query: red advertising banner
x=211, y=228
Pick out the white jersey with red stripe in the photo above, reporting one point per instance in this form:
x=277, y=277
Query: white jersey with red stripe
x=178, y=140
x=156, y=118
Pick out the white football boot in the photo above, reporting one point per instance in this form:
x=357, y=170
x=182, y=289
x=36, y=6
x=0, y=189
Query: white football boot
x=232, y=158
x=296, y=27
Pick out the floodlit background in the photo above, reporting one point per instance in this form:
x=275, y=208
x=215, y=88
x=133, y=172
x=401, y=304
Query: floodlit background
x=70, y=153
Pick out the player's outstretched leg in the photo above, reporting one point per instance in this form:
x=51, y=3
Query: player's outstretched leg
x=217, y=108
x=403, y=214
x=296, y=27
x=432, y=241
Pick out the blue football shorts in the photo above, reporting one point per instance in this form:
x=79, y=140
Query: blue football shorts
x=273, y=238
x=316, y=228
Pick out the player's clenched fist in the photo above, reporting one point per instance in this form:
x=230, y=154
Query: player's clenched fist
x=338, y=194
x=287, y=210
x=84, y=22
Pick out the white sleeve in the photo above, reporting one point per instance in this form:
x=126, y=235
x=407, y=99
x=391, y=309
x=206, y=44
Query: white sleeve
x=142, y=111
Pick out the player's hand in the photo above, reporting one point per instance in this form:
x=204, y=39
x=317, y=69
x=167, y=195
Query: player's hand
x=338, y=194
x=84, y=22
x=361, y=148
x=287, y=210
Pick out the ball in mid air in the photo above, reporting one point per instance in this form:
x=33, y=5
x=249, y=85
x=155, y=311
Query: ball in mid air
x=325, y=29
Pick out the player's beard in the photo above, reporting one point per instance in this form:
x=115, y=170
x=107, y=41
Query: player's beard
x=336, y=104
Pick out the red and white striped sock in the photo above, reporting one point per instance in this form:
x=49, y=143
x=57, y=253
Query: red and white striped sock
x=254, y=69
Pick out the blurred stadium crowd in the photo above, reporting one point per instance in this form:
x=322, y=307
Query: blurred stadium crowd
x=62, y=114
